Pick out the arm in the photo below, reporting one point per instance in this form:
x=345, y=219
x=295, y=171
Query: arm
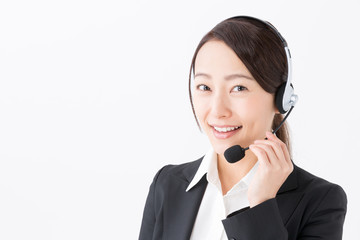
x=260, y=222
x=264, y=221
x=148, y=221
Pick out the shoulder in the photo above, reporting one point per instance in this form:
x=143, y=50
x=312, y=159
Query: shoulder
x=320, y=192
x=310, y=182
x=185, y=171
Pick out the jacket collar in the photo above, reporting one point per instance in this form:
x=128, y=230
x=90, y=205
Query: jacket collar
x=202, y=169
x=291, y=182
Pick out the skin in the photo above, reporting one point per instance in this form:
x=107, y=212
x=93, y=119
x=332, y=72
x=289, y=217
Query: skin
x=226, y=94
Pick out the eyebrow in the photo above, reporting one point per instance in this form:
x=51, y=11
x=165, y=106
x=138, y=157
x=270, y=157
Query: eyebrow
x=228, y=77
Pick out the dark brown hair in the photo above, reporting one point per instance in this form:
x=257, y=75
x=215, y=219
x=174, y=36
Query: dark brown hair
x=262, y=52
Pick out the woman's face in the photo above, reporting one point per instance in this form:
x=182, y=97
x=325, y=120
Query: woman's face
x=230, y=105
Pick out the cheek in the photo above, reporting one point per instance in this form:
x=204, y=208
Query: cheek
x=257, y=108
x=200, y=107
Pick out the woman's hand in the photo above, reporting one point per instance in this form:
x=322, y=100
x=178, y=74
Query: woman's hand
x=274, y=168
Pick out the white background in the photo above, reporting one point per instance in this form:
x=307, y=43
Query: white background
x=93, y=101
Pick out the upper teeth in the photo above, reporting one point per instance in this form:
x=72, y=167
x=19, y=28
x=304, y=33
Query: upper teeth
x=226, y=129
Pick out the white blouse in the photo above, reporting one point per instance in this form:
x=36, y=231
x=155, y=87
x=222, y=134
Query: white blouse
x=215, y=206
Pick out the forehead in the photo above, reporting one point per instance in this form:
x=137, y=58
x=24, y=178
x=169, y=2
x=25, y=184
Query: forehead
x=215, y=57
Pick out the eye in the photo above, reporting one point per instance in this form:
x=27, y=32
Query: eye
x=202, y=87
x=239, y=88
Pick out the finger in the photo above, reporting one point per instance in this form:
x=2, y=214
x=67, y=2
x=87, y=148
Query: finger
x=272, y=136
x=276, y=148
x=283, y=146
x=260, y=154
x=268, y=148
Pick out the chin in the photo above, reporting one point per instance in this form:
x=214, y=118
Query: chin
x=221, y=148
x=221, y=145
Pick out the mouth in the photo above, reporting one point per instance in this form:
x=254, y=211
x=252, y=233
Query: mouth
x=226, y=129
x=223, y=132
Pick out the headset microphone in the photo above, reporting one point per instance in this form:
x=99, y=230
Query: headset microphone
x=285, y=99
x=236, y=152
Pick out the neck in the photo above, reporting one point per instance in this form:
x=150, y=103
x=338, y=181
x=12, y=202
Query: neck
x=232, y=173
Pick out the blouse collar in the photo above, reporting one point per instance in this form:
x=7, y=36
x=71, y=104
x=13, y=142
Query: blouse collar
x=208, y=166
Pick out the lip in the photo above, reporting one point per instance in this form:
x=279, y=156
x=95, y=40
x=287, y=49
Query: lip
x=223, y=126
x=225, y=135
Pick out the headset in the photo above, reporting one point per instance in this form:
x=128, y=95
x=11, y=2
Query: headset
x=285, y=98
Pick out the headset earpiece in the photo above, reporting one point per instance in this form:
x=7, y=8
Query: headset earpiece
x=279, y=98
x=285, y=97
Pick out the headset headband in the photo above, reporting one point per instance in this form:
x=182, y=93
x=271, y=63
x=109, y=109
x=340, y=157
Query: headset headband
x=285, y=97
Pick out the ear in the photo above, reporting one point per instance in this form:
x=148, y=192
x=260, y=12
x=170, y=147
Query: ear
x=276, y=110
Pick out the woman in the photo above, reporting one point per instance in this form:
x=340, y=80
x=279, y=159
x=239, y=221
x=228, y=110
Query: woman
x=239, y=68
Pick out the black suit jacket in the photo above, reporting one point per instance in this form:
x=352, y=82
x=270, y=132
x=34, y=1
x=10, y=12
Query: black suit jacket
x=305, y=207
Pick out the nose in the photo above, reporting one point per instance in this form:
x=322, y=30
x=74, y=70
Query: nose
x=220, y=107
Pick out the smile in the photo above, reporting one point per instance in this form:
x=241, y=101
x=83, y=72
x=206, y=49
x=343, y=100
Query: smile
x=226, y=129
x=225, y=132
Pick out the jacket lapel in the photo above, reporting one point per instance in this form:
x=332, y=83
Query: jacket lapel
x=288, y=199
x=181, y=207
